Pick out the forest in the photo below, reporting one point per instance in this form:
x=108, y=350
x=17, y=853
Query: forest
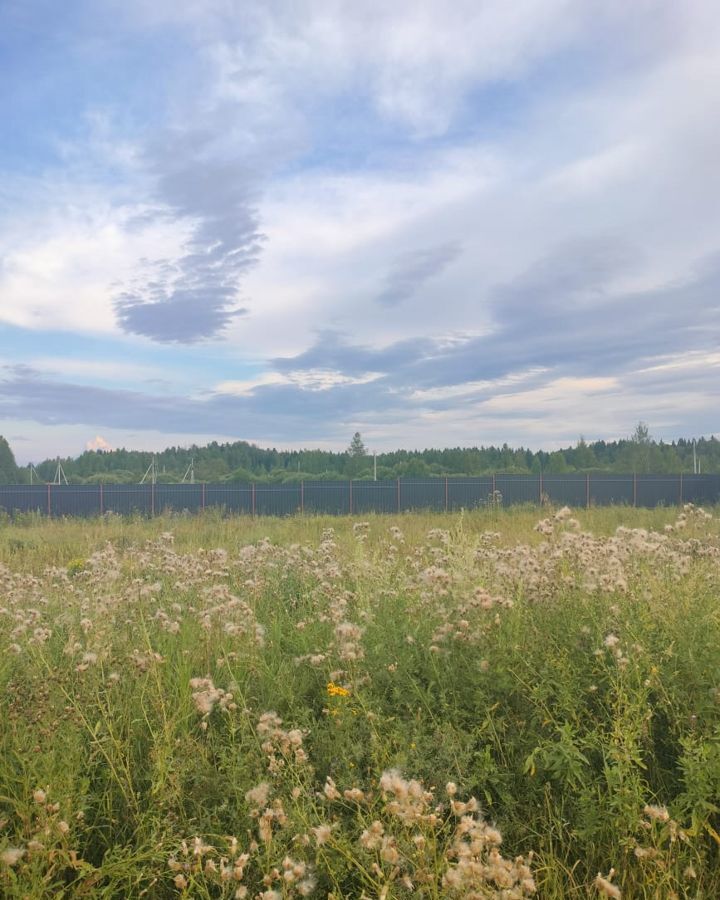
x=242, y=461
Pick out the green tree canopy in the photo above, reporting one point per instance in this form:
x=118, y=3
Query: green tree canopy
x=9, y=472
x=357, y=447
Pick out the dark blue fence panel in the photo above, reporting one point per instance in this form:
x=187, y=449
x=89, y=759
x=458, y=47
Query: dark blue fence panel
x=361, y=497
x=331, y=497
x=178, y=497
x=24, y=498
x=374, y=496
x=422, y=494
x=566, y=490
x=609, y=489
x=75, y=499
x=232, y=497
x=518, y=488
x=128, y=499
x=468, y=493
x=278, y=499
x=701, y=489
x=657, y=490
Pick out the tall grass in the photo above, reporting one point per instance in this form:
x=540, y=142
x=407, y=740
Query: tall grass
x=436, y=706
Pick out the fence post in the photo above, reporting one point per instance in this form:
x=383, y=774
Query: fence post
x=446, y=494
x=587, y=490
x=681, y=490
x=102, y=505
x=49, y=505
x=541, y=488
x=302, y=498
x=634, y=488
x=202, y=501
x=398, y=495
x=252, y=493
x=494, y=488
x=152, y=498
x=351, y=503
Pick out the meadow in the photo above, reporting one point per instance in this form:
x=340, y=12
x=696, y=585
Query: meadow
x=497, y=704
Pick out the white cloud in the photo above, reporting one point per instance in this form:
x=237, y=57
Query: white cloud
x=59, y=273
x=98, y=443
x=308, y=379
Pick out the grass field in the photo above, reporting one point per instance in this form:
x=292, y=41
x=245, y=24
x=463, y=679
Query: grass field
x=472, y=706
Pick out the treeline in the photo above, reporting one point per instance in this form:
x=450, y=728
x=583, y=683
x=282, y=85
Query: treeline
x=241, y=461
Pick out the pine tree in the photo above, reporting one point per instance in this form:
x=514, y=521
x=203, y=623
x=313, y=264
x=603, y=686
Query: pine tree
x=357, y=448
x=9, y=473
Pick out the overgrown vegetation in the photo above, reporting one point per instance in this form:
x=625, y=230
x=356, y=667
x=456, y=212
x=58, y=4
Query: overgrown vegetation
x=434, y=706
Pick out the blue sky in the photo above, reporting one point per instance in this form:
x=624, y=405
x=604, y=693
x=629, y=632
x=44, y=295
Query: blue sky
x=287, y=221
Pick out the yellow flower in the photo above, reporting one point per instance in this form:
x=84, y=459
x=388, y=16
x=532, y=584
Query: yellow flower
x=335, y=690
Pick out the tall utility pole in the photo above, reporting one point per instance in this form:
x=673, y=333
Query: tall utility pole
x=151, y=473
x=695, y=464
x=59, y=474
x=374, y=466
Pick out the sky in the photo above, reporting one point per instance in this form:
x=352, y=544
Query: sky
x=286, y=221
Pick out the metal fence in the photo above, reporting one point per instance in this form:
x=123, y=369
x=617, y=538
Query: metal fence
x=361, y=497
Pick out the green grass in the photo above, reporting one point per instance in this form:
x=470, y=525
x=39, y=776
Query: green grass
x=567, y=680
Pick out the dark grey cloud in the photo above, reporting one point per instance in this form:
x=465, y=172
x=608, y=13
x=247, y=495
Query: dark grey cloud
x=412, y=270
x=332, y=351
x=196, y=296
x=562, y=314
x=575, y=328
x=276, y=411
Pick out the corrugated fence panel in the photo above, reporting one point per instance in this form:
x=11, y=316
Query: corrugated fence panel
x=361, y=497
x=24, y=498
x=468, y=493
x=231, y=497
x=700, y=489
x=566, y=490
x=422, y=494
x=657, y=490
x=75, y=500
x=178, y=497
x=609, y=489
x=128, y=499
x=278, y=499
x=331, y=497
x=374, y=496
x=518, y=488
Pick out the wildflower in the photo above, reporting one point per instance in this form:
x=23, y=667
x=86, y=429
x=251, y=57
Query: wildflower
x=330, y=790
x=200, y=848
x=11, y=856
x=372, y=837
x=39, y=796
x=658, y=813
x=258, y=796
x=336, y=690
x=606, y=887
x=322, y=833
x=306, y=887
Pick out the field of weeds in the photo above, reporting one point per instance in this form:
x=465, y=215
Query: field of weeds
x=475, y=706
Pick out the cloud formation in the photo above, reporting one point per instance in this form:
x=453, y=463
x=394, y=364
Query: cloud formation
x=412, y=270
x=98, y=443
x=417, y=220
x=195, y=296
